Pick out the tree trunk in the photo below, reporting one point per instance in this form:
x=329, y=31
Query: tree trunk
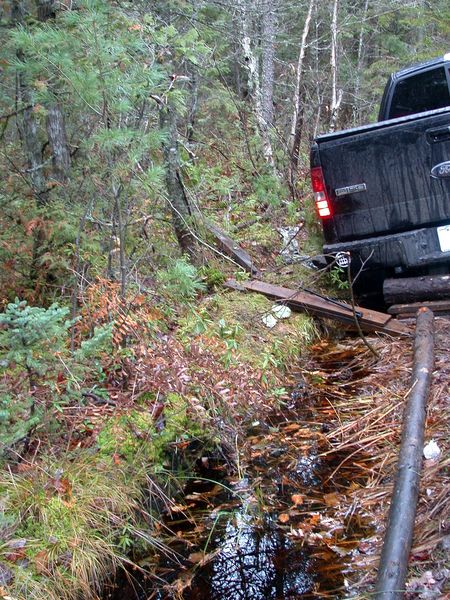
x=17, y=11
x=318, y=76
x=26, y=120
x=393, y=568
x=46, y=9
x=182, y=217
x=336, y=95
x=193, y=89
x=193, y=104
x=57, y=137
x=56, y=128
x=252, y=66
x=359, y=64
x=415, y=289
x=28, y=130
x=32, y=146
x=268, y=61
x=298, y=101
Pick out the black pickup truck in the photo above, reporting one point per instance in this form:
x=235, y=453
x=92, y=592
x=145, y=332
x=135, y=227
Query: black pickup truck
x=382, y=191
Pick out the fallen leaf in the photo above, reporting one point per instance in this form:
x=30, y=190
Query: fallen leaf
x=331, y=499
x=291, y=427
x=196, y=557
x=297, y=499
x=41, y=562
x=283, y=518
x=178, y=508
x=6, y=575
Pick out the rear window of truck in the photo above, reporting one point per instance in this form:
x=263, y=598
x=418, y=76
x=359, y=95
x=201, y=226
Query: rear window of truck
x=417, y=93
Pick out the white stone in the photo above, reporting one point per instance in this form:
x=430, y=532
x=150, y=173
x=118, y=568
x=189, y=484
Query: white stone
x=431, y=450
x=269, y=321
x=281, y=311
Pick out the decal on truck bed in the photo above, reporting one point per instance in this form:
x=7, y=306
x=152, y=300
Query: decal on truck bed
x=350, y=189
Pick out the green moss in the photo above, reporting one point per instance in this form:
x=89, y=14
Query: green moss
x=236, y=318
x=179, y=422
x=135, y=434
x=77, y=515
x=260, y=234
x=213, y=276
x=128, y=434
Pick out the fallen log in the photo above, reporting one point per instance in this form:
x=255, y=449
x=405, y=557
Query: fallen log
x=415, y=289
x=441, y=307
x=229, y=247
x=393, y=565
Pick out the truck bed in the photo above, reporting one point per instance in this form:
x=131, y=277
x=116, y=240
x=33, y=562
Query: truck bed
x=379, y=179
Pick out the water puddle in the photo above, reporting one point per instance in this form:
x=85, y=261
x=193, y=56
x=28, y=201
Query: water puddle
x=277, y=532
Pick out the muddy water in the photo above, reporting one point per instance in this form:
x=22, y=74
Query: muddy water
x=277, y=532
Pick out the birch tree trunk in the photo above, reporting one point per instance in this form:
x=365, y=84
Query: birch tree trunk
x=268, y=61
x=359, y=64
x=262, y=104
x=295, y=132
x=319, y=91
x=336, y=95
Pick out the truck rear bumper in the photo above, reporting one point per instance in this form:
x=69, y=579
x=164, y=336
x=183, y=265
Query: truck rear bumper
x=407, y=250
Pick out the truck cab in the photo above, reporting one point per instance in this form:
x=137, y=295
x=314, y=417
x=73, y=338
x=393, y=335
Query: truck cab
x=417, y=89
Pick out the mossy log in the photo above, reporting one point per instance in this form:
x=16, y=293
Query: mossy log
x=393, y=566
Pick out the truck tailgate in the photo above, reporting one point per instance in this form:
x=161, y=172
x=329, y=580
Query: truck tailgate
x=390, y=166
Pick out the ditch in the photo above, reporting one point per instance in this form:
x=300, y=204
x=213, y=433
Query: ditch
x=280, y=526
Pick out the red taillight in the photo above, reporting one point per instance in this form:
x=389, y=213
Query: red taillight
x=320, y=192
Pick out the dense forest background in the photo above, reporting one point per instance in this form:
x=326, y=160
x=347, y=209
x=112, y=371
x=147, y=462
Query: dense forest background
x=120, y=117
x=130, y=131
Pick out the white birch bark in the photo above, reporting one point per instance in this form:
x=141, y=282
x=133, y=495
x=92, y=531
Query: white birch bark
x=336, y=95
x=252, y=66
x=268, y=61
x=295, y=129
x=360, y=63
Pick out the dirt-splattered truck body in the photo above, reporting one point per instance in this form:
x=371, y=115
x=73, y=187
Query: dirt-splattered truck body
x=382, y=191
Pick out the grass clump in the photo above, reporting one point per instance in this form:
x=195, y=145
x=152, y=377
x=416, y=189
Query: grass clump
x=68, y=523
x=64, y=524
x=181, y=281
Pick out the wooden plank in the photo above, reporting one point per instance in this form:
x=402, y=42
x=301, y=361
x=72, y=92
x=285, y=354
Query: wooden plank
x=369, y=320
x=232, y=249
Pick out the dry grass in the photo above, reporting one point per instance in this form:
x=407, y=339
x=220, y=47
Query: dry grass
x=63, y=527
x=368, y=428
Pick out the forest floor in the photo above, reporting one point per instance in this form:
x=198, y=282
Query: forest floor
x=308, y=505
x=255, y=462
